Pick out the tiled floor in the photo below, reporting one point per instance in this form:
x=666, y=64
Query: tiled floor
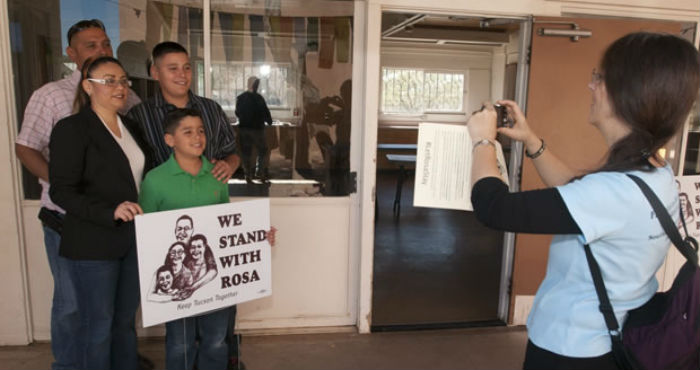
x=475, y=348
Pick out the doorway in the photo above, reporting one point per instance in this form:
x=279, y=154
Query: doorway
x=438, y=268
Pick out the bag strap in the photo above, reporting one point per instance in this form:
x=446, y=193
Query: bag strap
x=622, y=359
x=605, y=307
x=683, y=246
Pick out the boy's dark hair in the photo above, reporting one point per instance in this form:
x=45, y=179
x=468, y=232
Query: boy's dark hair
x=167, y=47
x=174, y=117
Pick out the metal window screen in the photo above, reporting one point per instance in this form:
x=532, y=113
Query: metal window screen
x=415, y=91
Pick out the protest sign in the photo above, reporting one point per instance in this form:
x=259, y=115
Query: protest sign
x=689, y=194
x=196, y=260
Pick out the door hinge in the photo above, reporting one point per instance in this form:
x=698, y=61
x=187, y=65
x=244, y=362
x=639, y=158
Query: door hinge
x=352, y=182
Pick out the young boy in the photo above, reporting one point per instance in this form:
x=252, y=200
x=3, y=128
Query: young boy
x=185, y=180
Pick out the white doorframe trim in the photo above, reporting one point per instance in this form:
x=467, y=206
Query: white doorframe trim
x=370, y=93
x=356, y=159
x=369, y=165
x=12, y=314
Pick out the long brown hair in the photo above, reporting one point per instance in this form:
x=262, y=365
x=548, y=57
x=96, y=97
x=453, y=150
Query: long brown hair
x=82, y=99
x=652, y=81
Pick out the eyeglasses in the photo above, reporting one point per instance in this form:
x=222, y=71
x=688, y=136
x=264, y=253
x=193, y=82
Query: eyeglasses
x=176, y=253
x=82, y=25
x=596, y=77
x=111, y=82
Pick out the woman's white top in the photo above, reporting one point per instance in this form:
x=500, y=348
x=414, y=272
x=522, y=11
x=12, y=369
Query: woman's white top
x=131, y=149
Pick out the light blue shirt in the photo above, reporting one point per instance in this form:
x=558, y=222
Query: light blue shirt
x=629, y=244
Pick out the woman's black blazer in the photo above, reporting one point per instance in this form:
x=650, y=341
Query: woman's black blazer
x=90, y=176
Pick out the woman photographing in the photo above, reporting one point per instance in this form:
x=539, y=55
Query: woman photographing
x=642, y=92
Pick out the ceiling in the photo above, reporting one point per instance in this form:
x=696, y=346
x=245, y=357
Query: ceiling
x=441, y=29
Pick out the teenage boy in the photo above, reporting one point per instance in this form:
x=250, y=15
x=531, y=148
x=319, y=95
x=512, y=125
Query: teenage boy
x=48, y=105
x=172, y=69
x=185, y=180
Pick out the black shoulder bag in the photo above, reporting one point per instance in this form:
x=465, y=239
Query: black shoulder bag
x=663, y=333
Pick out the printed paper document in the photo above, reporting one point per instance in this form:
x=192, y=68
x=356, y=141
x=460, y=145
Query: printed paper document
x=443, y=167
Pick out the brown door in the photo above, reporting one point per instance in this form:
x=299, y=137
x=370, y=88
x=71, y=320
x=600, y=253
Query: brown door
x=557, y=110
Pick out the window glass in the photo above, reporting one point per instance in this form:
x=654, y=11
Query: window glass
x=692, y=149
x=415, y=91
x=231, y=81
x=37, y=57
x=301, y=52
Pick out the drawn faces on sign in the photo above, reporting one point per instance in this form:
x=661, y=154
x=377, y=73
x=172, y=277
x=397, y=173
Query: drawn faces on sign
x=165, y=280
x=686, y=207
x=184, y=228
x=197, y=249
x=176, y=255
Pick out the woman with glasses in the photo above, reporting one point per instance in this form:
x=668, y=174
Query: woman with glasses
x=172, y=277
x=175, y=260
x=98, y=159
x=642, y=93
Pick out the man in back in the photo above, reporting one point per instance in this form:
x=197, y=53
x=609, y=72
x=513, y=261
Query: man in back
x=253, y=113
x=49, y=104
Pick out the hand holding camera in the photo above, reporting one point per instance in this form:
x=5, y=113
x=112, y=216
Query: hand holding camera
x=502, y=117
x=510, y=121
x=518, y=129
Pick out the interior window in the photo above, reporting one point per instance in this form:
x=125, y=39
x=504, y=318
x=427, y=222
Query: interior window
x=417, y=91
x=300, y=51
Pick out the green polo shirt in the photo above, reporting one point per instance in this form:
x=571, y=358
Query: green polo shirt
x=169, y=187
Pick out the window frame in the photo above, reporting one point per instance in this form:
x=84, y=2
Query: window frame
x=465, y=82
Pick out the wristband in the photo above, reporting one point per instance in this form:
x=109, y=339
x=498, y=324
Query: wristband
x=538, y=152
x=483, y=142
